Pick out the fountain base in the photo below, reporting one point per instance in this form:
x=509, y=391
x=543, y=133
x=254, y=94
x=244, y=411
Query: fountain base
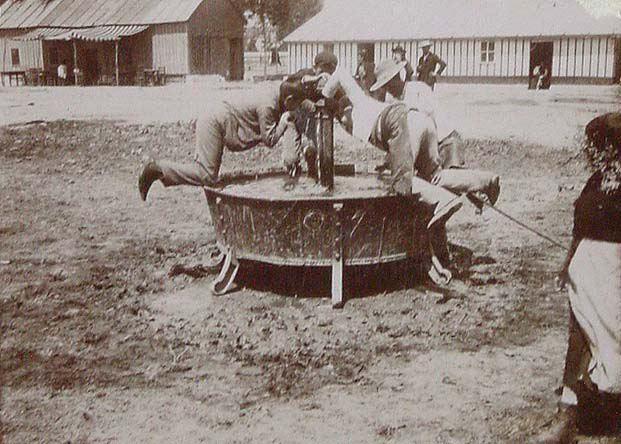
x=357, y=223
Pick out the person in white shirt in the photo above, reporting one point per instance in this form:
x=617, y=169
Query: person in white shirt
x=62, y=73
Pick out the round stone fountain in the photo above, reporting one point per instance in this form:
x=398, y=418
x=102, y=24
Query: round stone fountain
x=341, y=221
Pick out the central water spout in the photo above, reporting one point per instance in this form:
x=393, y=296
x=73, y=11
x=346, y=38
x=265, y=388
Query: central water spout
x=325, y=145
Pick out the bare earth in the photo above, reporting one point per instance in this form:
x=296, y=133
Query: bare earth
x=102, y=342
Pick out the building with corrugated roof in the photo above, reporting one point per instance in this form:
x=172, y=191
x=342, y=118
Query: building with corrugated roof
x=480, y=40
x=122, y=38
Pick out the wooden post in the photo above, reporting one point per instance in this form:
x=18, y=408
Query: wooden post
x=338, y=261
x=4, y=61
x=75, y=63
x=116, y=60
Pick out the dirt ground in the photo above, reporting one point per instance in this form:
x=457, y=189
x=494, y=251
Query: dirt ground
x=102, y=342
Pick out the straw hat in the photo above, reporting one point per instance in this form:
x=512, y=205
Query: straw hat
x=425, y=43
x=385, y=71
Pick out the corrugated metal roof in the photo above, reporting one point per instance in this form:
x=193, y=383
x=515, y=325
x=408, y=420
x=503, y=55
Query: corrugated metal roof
x=13, y=12
x=370, y=20
x=86, y=13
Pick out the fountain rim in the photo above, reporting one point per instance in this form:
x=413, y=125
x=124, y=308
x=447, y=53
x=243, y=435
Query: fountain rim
x=219, y=190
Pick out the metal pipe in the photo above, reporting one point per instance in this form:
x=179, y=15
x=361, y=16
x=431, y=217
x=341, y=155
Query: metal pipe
x=325, y=141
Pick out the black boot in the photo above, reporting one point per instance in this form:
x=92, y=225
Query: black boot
x=150, y=173
x=493, y=190
x=563, y=428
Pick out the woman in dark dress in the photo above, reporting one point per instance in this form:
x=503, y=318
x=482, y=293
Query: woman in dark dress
x=592, y=275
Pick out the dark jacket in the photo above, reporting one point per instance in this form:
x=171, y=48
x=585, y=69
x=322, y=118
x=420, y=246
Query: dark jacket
x=428, y=65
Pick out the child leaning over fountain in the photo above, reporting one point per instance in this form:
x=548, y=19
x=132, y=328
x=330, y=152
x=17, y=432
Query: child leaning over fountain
x=392, y=128
x=427, y=160
x=239, y=124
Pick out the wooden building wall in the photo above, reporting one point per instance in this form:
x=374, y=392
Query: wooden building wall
x=216, y=31
x=169, y=43
x=575, y=59
x=136, y=51
x=30, y=52
x=302, y=55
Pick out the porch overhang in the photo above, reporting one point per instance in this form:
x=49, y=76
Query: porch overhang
x=95, y=34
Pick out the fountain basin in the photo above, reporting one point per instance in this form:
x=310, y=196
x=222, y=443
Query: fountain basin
x=357, y=223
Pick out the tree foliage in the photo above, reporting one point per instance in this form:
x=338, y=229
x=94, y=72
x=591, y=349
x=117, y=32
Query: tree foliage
x=283, y=15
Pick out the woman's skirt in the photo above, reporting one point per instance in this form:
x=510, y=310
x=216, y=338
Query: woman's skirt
x=595, y=298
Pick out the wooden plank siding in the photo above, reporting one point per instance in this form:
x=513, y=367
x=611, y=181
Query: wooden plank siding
x=574, y=59
x=215, y=40
x=170, y=47
x=30, y=52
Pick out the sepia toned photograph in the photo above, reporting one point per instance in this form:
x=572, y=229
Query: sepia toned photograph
x=310, y=221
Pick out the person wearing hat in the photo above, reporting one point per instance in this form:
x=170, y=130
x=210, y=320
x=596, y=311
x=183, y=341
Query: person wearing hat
x=592, y=274
x=430, y=66
x=398, y=55
x=427, y=159
x=304, y=142
x=392, y=128
x=240, y=124
x=386, y=126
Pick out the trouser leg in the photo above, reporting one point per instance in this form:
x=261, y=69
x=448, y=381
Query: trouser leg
x=291, y=143
x=206, y=166
x=444, y=203
x=577, y=357
x=424, y=139
x=399, y=147
x=469, y=181
x=439, y=241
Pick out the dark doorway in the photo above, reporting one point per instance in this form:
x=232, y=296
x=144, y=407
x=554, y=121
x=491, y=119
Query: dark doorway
x=91, y=66
x=540, y=64
x=617, y=68
x=236, y=62
x=369, y=50
x=199, y=50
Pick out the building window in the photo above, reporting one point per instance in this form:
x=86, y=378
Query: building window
x=487, y=51
x=54, y=56
x=15, y=56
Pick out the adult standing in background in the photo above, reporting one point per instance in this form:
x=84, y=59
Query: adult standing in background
x=430, y=66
